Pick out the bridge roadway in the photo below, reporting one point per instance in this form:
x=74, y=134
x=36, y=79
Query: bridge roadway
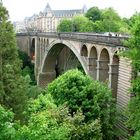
x=88, y=37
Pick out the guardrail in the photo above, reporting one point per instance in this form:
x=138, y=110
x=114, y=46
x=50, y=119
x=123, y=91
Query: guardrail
x=85, y=37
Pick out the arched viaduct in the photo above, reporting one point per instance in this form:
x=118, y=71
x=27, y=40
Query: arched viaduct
x=95, y=54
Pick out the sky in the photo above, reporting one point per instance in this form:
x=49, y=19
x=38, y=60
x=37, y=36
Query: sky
x=19, y=9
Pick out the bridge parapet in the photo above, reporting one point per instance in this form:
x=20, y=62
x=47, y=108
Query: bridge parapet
x=88, y=37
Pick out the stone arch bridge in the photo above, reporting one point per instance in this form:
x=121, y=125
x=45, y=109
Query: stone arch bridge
x=96, y=54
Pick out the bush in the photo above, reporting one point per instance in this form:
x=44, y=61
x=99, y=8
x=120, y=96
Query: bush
x=79, y=91
x=7, y=130
x=46, y=121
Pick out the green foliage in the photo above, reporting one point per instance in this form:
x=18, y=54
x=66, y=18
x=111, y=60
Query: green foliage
x=42, y=121
x=132, y=19
x=81, y=24
x=12, y=84
x=27, y=66
x=77, y=24
x=81, y=92
x=65, y=26
x=83, y=131
x=25, y=59
x=96, y=20
x=136, y=136
x=133, y=111
x=134, y=122
x=7, y=130
x=111, y=21
x=94, y=14
x=46, y=121
x=134, y=44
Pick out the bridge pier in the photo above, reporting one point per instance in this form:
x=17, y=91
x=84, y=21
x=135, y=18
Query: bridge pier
x=113, y=78
x=92, y=67
x=45, y=78
x=37, y=57
x=102, y=70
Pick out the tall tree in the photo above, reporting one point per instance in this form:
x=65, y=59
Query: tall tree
x=134, y=54
x=111, y=21
x=82, y=24
x=12, y=84
x=94, y=14
x=65, y=25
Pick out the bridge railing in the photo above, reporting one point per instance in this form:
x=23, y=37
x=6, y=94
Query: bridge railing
x=85, y=37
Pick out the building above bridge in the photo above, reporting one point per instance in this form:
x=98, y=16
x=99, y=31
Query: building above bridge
x=48, y=19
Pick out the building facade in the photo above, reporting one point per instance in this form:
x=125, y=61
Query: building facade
x=48, y=20
x=19, y=26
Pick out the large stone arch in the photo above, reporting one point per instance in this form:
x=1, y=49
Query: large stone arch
x=50, y=61
x=93, y=56
x=103, y=66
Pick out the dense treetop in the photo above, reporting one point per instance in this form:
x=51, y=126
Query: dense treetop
x=97, y=20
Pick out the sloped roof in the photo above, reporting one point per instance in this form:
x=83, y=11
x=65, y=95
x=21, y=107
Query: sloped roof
x=58, y=13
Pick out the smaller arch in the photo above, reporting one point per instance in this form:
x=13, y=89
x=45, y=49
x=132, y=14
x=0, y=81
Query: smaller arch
x=115, y=58
x=93, y=62
x=44, y=45
x=104, y=55
x=47, y=43
x=32, y=50
x=93, y=52
x=38, y=40
x=103, y=67
x=84, y=51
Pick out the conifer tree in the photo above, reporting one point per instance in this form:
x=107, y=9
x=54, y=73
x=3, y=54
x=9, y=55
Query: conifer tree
x=12, y=84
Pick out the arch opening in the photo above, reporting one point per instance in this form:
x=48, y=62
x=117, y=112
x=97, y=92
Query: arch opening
x=114, y=76
x=84, y=51
x=59, y=59
x=44, y=43
x=32, y=50
x=104, y=66
x=93, y=63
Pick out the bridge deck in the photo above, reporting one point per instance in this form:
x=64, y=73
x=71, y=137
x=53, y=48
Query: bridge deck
x=88, y=37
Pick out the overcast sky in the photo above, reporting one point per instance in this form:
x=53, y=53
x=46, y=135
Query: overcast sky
x=19, y=9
